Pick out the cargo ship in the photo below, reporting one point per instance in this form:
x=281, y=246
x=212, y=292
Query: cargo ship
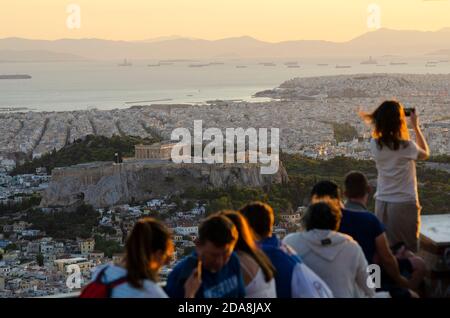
x=343, y=66
x=125, y=63
x=369, y=61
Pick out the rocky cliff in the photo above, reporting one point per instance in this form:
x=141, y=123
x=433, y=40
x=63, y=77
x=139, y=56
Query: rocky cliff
x=104, y=184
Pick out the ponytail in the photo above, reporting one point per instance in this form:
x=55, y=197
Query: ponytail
x=147, y=237
x=246, y=243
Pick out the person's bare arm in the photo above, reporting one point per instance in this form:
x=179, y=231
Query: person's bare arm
x=388, y=261
x=424, y=150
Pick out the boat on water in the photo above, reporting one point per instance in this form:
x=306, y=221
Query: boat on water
x=241, y=66
x=266, y=64
x=125, y=63
x=153, y=65
x=322, y=64
x=398, y=63
x=15, y=76
x=369, y=61
x=171, y=61
x=198, y=65
x=293, y=66
x=343, y=66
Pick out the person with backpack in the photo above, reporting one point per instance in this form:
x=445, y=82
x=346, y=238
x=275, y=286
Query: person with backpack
x=293, y=278
x=148, y=248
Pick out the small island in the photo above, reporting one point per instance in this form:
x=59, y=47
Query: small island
x=15, y=76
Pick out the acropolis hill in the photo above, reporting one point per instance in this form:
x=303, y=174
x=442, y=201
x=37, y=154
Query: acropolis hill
x=104, y=184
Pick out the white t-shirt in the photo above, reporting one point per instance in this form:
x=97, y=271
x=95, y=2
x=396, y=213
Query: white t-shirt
x=397, y=180
x=259, y=288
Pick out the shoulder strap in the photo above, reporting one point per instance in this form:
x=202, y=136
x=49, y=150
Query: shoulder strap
x=98, y=279
x=117, y=282
x=112, y=284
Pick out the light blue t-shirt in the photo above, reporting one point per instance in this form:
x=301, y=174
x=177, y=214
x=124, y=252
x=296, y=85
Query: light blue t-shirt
x=113, y=272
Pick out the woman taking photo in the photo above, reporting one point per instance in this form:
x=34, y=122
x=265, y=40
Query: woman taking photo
x=395, y=154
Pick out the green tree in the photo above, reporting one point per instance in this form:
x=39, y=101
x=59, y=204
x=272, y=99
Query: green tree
x=40, y=259
x=64, y=224
x=11, y=247
x=221, y=203
x=109, y=247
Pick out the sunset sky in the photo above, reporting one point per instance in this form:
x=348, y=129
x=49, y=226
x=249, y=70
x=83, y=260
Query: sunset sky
x=268, y=20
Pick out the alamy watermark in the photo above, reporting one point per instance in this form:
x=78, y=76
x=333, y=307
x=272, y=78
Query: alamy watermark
x=74, y=278
x=374, y=276
x=258, y=148
x=73, y=20
x=374, y=18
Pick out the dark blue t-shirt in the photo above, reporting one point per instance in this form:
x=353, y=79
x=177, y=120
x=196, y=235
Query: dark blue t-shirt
x=364, y=227
x=226, y=283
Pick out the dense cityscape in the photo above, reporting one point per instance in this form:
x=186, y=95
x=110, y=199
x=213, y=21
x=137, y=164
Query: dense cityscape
x=317, y=118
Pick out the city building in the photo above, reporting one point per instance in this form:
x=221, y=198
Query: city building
x=86, y=246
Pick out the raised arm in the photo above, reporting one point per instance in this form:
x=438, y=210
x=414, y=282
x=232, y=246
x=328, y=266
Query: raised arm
x=424, y=150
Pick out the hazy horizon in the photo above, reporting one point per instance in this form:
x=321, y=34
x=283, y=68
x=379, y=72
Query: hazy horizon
x=177, y=37
x=268, y=21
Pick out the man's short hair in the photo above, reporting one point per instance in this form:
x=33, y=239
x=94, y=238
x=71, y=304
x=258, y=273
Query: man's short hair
x=326, y=189
x=218, y=230
x=322, y=216
x=356, y=185
x=260, y=217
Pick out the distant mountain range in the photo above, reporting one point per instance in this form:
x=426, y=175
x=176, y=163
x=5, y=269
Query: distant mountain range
x=382, y=42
